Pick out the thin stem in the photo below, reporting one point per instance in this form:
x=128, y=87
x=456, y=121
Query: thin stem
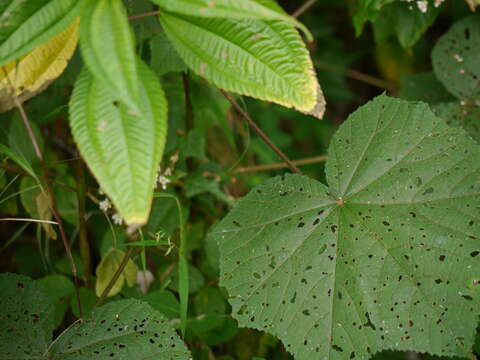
x=139, y=16
x=53, y=204
x=115, y=276
x=359, y=76
x=276, y=166
x=303, y=8
x=82, y=223
x=260, y=133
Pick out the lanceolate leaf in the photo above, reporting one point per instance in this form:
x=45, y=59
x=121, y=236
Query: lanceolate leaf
x=384, y=257
x=26, y=24
x=108, y=48
x=232, y=9
x=259, y=58
x=32, y=73
x=26, y=319
x=456, y=59
x=122, y=148
x=121, y=330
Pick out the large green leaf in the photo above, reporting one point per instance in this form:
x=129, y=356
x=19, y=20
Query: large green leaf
x=108, y=48
x=26, y=318
x=232, y=9
x=126, y=329
x=456, y=59
x=26, y=24
x=122, y=148
x=385, y=257
x=265, y=59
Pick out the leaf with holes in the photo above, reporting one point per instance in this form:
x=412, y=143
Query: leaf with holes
x=26, y=24
x=108, y=48
x=32, y=73
x=121, y=330
x=384, y=257
x=265, y=59
x=26, y=319
x=455, y=59
x=122, y=148
x=466, y=116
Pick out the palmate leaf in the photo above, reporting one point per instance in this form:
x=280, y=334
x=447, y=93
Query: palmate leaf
x=26, y=319
x=265, y=59
x=108, y=48
x=455, y=59
x=26, y=77
x=122, y=148
x=126, y=329
x=385, y=257
x=26, y=24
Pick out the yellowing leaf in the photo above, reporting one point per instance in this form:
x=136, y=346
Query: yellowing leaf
x=31, y=74
x=107, y=268
x=473, y=4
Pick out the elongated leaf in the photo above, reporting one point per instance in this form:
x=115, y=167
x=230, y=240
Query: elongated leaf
x=26, y=24
x=31, y=74
x=263, y=59
x=108, y=48
x=122, y=148
x=245, y=9
x=385, y=257
x=26, y=319
x=231, y=9
x=455, y=59
x=121, y=330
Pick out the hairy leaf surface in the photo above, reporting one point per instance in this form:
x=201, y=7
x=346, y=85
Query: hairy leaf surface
x=26, y=319
x=26, y=77
x=108, y=48
x=26, y=24
x=259, y=58
x=122, y=330
x=231, y=9
x=122, y=148
x=456, y=59
x=384, y=257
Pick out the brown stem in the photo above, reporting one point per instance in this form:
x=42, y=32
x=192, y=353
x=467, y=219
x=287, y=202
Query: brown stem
x=82, y=223
x=139, y=16
x=303, y=8
x=260, y=133
x=53, y=204
x=276, y=166
x=357, y=75
x=115, y=276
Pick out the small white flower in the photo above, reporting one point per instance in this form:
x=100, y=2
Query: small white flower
x=163, y=181
x=438, y=3
x=105, y=205
x=423, y=6
x=117, y=219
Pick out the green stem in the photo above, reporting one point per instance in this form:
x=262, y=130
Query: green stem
x=82, y=224
x=182, y=264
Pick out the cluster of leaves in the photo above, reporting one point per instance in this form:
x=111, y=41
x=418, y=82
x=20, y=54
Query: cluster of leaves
x=374, y=254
